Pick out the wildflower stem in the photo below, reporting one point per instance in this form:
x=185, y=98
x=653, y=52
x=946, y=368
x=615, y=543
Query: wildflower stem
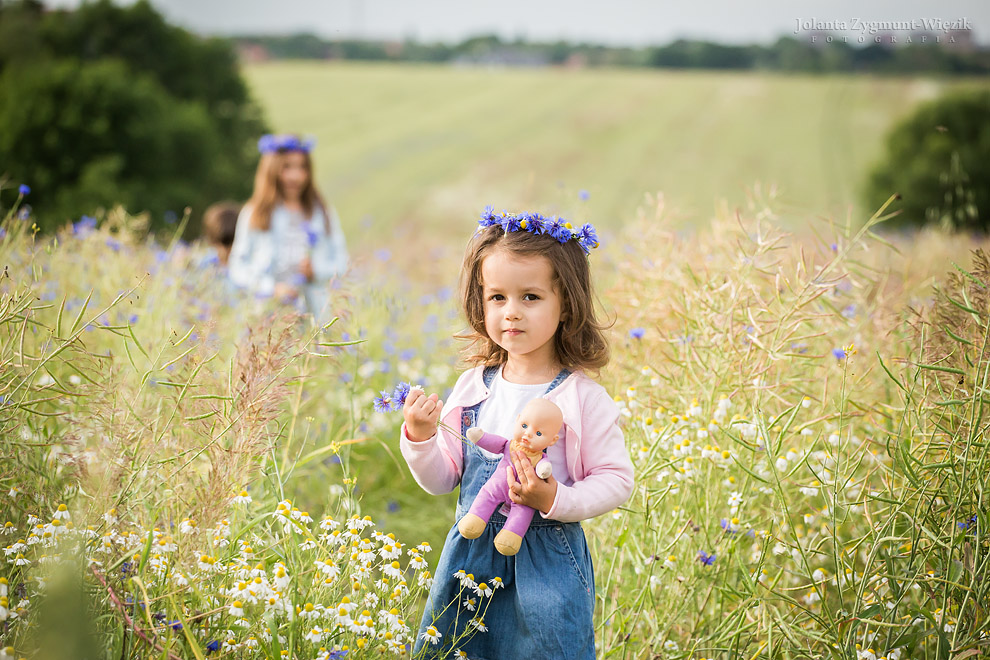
x=127, y=619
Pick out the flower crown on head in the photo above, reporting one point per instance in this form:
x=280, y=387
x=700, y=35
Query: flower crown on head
x=270, y=143
x=536, y=223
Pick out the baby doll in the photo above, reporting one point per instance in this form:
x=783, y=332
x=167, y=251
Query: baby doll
x=536, y=429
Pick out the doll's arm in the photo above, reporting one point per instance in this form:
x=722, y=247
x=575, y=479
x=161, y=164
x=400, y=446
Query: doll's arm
x=487, y=441
x=543, y=468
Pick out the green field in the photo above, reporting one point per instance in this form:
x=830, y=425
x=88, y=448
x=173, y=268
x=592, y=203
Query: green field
x=427, y=145
x=186, y=470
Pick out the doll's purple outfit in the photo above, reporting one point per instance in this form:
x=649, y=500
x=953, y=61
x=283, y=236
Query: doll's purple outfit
x=495, y=492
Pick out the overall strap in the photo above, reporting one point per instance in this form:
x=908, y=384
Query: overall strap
x=564, y=373
x=469, y=415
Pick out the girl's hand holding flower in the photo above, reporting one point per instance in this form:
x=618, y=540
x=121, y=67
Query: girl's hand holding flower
x=306, y=268
x=422, y=414
x=284, y=291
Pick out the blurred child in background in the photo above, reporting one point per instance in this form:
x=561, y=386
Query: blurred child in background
x=219, y=224
x=288, y=241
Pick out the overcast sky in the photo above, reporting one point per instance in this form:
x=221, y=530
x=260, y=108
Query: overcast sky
x=634, y=22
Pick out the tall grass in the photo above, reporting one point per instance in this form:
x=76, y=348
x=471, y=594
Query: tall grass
x=811, y=415
x=189, y=472
x=160, y=436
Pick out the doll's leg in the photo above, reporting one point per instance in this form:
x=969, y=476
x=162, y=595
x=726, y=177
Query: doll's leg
x=509, y=539
x=489, y=498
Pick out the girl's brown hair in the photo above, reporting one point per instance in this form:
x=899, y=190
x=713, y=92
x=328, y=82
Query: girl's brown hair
x=579, y=342
x=267, y=191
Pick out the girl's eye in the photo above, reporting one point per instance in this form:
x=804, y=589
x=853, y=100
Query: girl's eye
x=496, y=297
x=531, y=296
x=525, y=426
x=539, y=433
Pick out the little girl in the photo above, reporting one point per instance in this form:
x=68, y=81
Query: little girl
x=288, y=243
x=527, y=294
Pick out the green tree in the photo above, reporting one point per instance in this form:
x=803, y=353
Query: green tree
x=97, y=134
x=938, y=160
x=180, y=129
x=20, y=38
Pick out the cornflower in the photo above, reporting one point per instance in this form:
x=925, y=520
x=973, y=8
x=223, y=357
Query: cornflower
x=383, y=402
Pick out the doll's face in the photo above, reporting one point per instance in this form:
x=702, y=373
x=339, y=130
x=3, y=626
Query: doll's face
x=538, y=424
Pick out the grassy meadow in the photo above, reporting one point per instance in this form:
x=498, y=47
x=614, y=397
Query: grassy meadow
x=187, y=472
x=402, y=147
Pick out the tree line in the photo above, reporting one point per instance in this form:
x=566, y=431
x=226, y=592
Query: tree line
x=943, y=53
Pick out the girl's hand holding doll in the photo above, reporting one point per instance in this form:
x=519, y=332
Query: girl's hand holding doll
x=526, y=487
x=422, y=414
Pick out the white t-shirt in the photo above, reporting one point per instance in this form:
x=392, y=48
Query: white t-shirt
x=295, y=243
x=499, y=411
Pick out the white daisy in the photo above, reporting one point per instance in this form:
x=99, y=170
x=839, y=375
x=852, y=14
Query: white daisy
x=432, y=635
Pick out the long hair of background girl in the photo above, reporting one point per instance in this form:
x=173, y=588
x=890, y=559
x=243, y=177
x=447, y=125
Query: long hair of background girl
x=267, y=192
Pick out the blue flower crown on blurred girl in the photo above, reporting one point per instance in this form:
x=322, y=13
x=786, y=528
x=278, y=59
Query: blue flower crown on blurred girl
x=540, y=225
x=271, y=143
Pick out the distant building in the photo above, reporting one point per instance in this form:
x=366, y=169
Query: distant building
x=503, y=56
x=252, y=53
x=576, y=61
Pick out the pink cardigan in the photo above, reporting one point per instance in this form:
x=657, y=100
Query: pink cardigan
x=596, y=452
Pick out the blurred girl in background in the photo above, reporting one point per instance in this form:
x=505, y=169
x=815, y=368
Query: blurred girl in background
x=288, y=242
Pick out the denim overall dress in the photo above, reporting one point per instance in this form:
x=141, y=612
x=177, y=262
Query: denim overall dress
x=546, y=607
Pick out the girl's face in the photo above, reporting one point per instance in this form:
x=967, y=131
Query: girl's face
x=293, y=177
x=522, y=306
